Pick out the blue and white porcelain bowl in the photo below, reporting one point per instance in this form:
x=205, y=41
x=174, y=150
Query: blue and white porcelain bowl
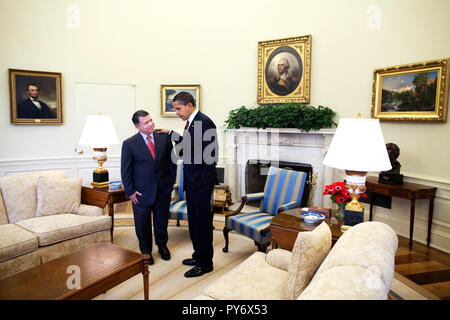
x=312, y=217
x=115, y=184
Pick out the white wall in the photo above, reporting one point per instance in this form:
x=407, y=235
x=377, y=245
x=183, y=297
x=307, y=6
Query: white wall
x=148, y=43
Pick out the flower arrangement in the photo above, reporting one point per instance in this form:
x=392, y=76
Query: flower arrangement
x=339, y=195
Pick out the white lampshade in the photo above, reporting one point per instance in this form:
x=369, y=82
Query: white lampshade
x=98, y=132
x=358, y=145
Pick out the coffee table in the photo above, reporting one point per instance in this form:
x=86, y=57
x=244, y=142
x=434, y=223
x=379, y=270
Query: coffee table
x=102, y=266
x=285, y=227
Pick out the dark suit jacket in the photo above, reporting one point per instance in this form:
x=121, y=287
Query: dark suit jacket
x=140, y=172
x=199, y=150
x=27, y=109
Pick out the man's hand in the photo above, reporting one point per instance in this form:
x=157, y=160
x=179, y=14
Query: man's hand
x=134, y=198
x=162, y=130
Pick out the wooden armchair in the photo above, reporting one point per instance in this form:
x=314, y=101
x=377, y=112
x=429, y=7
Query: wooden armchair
x=283, y=191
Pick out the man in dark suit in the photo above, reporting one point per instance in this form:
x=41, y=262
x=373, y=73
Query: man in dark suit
x=148, y=175
x=199, y=150
x=32, y=107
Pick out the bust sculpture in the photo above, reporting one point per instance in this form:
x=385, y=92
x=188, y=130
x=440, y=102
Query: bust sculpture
x=392, y=176
x=393, y=152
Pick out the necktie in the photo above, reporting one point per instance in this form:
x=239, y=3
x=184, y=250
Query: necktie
x=186, y=127
x=151, y=146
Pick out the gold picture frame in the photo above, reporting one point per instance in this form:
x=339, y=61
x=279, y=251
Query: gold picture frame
x=168, y=91
x=284, y=70
x=411, y=92
x=35, y=97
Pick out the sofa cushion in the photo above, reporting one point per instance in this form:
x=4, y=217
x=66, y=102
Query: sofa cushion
x=346, y=283
x=88, y=210
x=18, y=264
x=310, y=249
x=369, y=245
x=15, y=241
x=56, y=196
x=253, y=279
x=60, y=227
x=19, y=193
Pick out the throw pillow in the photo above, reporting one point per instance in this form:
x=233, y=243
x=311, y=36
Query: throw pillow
x=279, y=258
x=310, y=249
x=19, y=193
x=55, y=196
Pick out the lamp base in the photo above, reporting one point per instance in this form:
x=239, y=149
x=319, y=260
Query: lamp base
x=100, y=185
x=101, y=179
x=391, y=178
x=352, y=218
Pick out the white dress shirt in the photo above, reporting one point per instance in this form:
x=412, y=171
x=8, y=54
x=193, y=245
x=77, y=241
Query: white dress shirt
x=36, y=103
x=191, y=117
x=146, y=138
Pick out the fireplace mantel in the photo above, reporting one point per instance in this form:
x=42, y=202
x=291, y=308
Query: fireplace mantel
x=278, y=144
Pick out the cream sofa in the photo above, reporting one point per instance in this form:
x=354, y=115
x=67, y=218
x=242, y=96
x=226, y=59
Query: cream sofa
x=27, y=240
x=360, y=266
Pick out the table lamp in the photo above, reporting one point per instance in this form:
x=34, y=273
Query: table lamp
x=98, y=133
x=357, y=147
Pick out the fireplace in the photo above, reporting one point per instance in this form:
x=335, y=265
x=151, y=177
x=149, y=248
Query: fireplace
x=256, y=174
x=277, y=147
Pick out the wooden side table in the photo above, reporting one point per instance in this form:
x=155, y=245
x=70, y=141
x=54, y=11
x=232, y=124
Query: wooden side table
x=285, y=227
x=101, y=197
x=410, y=191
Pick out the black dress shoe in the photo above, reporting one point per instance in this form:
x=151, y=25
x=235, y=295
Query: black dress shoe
x=164, y=252
x=190, y=262
x=198, y=271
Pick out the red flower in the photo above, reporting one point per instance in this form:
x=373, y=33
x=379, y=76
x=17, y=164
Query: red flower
x=329, y=189
x=338, y=193
x=339, y=186
x=340, y=199
x=362, y=195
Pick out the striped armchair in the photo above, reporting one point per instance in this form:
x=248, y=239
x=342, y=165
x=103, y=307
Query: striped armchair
x=283, y=190
x=178, y=209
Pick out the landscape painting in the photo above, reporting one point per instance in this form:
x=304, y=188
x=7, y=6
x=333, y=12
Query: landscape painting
x=415, y=92
x=410, y=92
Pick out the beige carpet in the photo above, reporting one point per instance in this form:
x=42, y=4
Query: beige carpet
x=167, y=279
x=168, y=283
